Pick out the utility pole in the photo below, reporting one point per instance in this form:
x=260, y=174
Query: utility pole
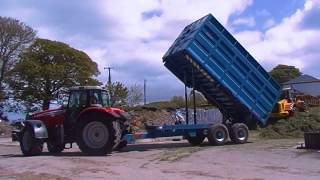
x=109, y=71
x=145, y=91
x=109, y=83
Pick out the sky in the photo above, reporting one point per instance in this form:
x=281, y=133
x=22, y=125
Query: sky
x=132, y=36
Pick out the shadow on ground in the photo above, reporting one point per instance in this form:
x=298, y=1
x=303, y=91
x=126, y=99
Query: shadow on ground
x=130, y=147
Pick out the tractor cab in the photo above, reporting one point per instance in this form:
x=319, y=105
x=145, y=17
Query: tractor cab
x=81, y=98
x=87, y=96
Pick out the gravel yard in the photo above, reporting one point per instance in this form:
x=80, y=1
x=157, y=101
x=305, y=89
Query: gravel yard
x=259, y=159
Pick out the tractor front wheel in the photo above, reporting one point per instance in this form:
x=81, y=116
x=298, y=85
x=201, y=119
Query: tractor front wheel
x=96, y=137
x=30, y=146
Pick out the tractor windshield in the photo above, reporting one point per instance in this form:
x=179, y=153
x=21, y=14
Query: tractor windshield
x=105, y=99
x=99, y=98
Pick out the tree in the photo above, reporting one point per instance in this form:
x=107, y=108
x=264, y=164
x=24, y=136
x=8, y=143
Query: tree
x=47, y=67
x=283, y=73
x=15, y=36
x=118, y=93
x=134, y=95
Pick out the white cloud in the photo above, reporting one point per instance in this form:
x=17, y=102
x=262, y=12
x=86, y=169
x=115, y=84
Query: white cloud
x=135, y=45
x=286, y=42
x=145, y=41
x=248, y=21
x=249, y=38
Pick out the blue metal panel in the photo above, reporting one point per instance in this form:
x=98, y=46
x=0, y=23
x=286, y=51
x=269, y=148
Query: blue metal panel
x=224, y=71
x=175, y=130
x=168, y=131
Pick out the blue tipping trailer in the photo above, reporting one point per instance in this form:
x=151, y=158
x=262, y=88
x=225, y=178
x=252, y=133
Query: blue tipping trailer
x=224, y=72
x=207, y=58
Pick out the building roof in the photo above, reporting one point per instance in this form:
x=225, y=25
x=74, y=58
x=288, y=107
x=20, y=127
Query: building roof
x=305, y=84
x=302, y=79
x=85, y=87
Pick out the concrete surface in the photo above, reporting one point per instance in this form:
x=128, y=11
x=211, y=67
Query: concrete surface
x=260, y=159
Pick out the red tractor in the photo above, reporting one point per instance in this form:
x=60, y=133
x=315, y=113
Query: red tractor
x=86, y=119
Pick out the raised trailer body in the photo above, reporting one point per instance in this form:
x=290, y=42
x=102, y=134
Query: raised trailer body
x=223, y=71
x=207, y=58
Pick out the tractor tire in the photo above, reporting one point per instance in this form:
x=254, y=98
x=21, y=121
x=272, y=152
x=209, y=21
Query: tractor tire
x=96, y=137
x=239, y=133
x=30, y=146
x=196, y=140
x=55, y=148
x=218, y=134
x=118, y=133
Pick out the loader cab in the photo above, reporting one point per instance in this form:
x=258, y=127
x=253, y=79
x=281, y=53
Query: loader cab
x=284, y=108
x=287, y=94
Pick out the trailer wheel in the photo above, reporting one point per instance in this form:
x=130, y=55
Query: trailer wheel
x=30, y=146
x=55, y=148
x=218, y=134
x=196, y=140
x=239, y=133
x=96, y=137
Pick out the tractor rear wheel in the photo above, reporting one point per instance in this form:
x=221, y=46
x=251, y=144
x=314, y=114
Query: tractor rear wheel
x=239, y=133
x=118, y=133
x=30, y=146
x=96, y=137
x=55, y=148
x=218, y=134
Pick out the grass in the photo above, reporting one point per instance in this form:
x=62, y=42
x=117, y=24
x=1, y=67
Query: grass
x=293, y=127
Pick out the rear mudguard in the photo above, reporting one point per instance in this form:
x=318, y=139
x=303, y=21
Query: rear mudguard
x=113, y=113
x=101, y=110
x=39, y=129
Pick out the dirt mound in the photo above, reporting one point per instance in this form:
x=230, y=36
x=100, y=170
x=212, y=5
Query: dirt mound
x=293, y=127
x=157, y=117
